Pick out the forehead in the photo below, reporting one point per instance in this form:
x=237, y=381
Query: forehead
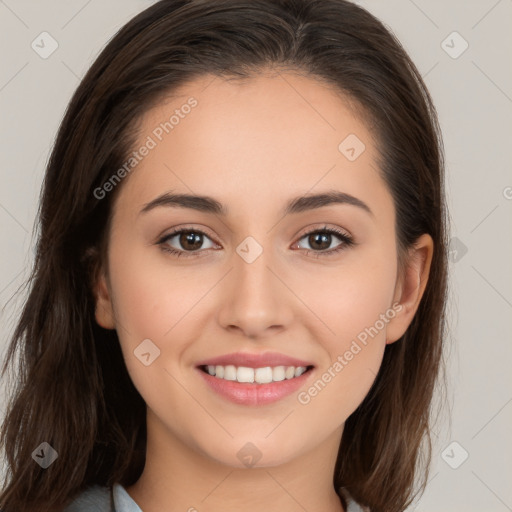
x=267, y=137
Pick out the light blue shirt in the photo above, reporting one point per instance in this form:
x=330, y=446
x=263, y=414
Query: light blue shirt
x=123, y=502
x=97, y=499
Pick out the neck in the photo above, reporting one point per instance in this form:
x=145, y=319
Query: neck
x=179, y=478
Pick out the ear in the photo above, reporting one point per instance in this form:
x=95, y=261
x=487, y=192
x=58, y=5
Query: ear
x=104, y=311
x=410, y=286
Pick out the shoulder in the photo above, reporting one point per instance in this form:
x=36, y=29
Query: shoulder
x=94, y=499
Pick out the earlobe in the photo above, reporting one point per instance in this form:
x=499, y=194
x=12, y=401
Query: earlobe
x=411, y=286
x=104, y=312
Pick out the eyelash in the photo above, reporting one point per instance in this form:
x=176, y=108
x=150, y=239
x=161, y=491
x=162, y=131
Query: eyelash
x=347, y=241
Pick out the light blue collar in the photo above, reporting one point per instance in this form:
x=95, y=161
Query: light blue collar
x=123, y=502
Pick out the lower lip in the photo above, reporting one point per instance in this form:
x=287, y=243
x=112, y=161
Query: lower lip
x=247, y=393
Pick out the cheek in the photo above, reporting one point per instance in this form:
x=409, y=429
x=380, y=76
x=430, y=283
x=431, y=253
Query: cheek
x=160, y=301
x=351, y=298
x=151, y=297
x=355, y=307
x=155, y=302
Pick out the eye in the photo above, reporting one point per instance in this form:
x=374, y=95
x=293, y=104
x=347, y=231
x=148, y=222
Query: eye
x=190, y=240
x=321, y=239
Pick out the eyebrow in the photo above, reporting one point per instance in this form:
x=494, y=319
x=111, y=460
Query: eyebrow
x=297, y=205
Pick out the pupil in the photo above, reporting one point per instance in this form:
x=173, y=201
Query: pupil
x=318, y=238
x=190, y=240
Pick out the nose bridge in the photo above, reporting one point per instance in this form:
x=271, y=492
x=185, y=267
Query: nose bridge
x=257, y=299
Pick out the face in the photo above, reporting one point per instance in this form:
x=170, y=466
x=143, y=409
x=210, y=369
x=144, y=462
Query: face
x=268, y=279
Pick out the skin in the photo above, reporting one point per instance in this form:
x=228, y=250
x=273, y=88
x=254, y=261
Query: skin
x=253, y=145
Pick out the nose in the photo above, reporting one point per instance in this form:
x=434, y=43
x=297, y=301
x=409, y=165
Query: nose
x=255, y=299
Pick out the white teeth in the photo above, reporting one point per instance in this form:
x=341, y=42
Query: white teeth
x=230, y=372
x=290, y=372
x=299, y=371
x=278, y=373
x=255, y=375
x=244, y=374
x=263, y=375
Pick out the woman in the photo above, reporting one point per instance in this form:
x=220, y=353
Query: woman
x=239, y=289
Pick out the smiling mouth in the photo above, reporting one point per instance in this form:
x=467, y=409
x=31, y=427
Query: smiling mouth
x=263, y=375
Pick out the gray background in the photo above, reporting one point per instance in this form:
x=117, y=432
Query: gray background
x=473, y=94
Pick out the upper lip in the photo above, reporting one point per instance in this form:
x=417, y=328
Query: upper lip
x=254, y=360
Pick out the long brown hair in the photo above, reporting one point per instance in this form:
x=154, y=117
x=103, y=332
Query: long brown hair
x=72, y=388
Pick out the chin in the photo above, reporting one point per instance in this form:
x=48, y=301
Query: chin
x=257, y=452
